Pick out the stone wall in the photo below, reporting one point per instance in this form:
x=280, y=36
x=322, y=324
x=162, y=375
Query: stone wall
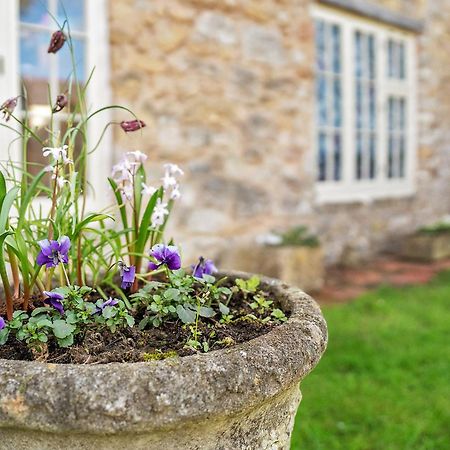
x=227, y=93
x=226, y=89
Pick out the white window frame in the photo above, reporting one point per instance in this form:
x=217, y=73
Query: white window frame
x=350, y=189
x=98, y=94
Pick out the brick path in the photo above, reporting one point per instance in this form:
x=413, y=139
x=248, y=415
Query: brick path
x=344, y=284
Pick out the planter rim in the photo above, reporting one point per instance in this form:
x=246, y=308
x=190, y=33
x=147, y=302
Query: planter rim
x=145, y=396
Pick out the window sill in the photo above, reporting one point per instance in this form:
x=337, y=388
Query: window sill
x=363, y=193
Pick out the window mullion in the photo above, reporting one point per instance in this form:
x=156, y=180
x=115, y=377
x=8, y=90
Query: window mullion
x=382, y=102
x=348, y=99
x=411, y=111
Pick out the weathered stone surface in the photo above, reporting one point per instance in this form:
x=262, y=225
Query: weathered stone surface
x=241, y=398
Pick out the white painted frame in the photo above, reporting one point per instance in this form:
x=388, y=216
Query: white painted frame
x=98, y=95
x=349, y=189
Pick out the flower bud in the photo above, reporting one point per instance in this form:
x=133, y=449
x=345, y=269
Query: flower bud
x=131, y=125
x=7, y=108
x=61, y=103
x=56, y=42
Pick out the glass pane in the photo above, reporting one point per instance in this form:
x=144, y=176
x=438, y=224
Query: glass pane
x=336, y=36
x=66, y=75
x=401, y=162
x=359, y=151
x=390, y=64
x=337, y=102
x=371, y=55
x=372, y=156
x=337, y=156
x=74, y=10
x=391, y=114
x=65, y=61
x=359, y=94
x=34, y=65
x=320, y=45
x=322, y=100
x=358, y=55
x=35, y=11
x=402, y=116
x=401, y=62
x=322, y=156
x=372, y=107
x=390, y=156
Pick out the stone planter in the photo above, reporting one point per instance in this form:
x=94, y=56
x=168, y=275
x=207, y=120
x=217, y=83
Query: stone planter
x=244, y=397
x=427, y=246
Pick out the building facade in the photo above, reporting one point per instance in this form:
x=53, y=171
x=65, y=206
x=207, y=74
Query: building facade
x=334, y=114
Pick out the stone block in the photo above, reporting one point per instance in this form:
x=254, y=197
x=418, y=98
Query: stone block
x=426, y=246
x=264, y=45
x=297, y=265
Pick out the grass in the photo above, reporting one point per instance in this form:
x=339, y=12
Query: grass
x=383, y=383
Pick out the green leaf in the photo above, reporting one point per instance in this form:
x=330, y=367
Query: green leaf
x=66, y=342
x=224, y=309
x=109, y=312
x=2, y=188
x=209, y=278
x=122, y=209
x=30, y=194
x=144, y=322
x=41, y=309
x=130, y=320
x=6, y=207
x=4, y=334
x=62, y=329
x=44, y=323
x=42, y=337
x=171, y=294
x=185, y=315
x=89, y=219
x=146, y=221
x=205, y=311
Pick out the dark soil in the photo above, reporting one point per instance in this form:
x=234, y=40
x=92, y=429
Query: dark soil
x=133, y=345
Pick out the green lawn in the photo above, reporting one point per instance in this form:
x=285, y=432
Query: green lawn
x=383, y=382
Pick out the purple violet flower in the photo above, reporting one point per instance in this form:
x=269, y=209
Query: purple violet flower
x=203, y=267
x=54, y=252
x=53, y=299
x=165, y=255
x=127, y=274
x=131, y=125
x=56, y=42
x=2, y=323
x=109, y=302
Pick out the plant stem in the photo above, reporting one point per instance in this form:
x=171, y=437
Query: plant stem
x=79, y=273
x=7, y=289
x=53, y=208
x=15, y=272
x=65, y=273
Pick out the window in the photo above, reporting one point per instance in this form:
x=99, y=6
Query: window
x=365, y=105
x=40, y=73
x=25, y=30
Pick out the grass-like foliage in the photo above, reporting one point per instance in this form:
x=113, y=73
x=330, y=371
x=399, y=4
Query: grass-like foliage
x=65, y=268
